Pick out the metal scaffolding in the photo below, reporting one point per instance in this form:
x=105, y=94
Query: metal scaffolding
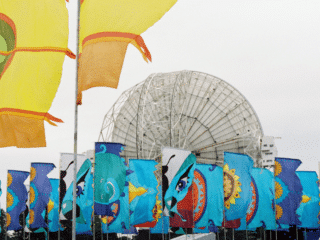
x=187, y=109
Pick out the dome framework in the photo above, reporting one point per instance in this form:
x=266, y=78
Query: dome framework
x=187, y=109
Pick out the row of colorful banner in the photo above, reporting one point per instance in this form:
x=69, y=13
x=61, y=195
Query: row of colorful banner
x=176, y=194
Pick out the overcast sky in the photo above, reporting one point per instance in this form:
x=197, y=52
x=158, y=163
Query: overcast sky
x=268, y=50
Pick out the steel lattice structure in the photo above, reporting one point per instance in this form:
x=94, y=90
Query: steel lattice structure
x=187, y=109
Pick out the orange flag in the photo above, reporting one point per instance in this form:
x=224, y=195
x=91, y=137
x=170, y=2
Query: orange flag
x=106, y=29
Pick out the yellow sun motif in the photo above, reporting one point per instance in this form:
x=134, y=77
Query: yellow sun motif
x=32, y=195
x=278, y=190
x=9, y=200
x=279, y=212
x=31, y=216
x=277, y=168
x=231, y=186
x=32, y=173
x=8, y=219
x=9, y=180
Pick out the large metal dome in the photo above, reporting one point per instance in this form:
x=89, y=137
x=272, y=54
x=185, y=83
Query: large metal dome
x=187, y=109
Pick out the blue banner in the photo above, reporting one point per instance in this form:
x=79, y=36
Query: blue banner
x=261, y=212
x=208, y=198
x=111, y=191
x=53, y=206
x=142, y=191
x=84, y=199
x=288, y=192
x=309, y=209
x=236, y=181
x=162, y=225
x=40, y=190
x=178, y=167
x=17, y=196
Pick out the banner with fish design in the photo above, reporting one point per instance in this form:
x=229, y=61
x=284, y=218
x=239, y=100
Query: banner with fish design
x=309, y=209
x=111, y=187
x=84, y=204
x=53, y=206
x=145, y=208
x=178, y=167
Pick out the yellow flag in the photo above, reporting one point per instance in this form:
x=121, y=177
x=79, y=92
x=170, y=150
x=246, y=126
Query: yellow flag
x=106, y=29
x=33, y=45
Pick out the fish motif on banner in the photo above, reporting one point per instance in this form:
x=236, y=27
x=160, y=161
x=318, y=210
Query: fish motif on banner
x=84, y=204
x=145, y=207
x=53, y=206
x=178, y=168
x=309, y=208
x=111, y=191
x=67, y=174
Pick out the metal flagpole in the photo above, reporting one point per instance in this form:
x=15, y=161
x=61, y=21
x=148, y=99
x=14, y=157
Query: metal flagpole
x=101, y=228
x=59, y=198
x=75, y=133
x=275, y=202
x=24, y=224
x=93, y=179
x=47, y=213
x=6, y=217
x=224, y=213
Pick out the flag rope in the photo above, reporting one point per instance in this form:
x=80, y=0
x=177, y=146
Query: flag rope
x=31, y=114
x=67, y=51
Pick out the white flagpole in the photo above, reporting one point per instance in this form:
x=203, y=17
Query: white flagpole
x=75, y=132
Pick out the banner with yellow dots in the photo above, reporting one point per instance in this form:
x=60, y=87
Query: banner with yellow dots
x=40, y=190
x=17, y=196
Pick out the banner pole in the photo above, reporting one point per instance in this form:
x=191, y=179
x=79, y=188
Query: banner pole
x=75, y=131
x=24, y=224
x=93, y=179
x=59, y=206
